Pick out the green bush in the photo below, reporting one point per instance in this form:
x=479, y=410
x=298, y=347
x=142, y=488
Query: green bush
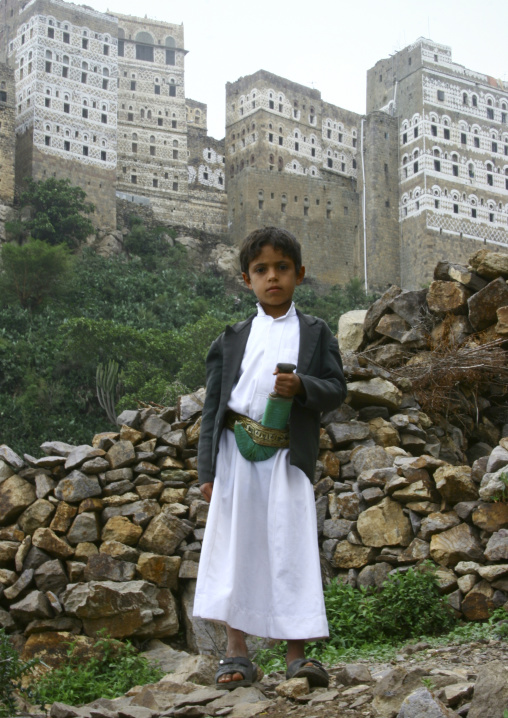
x=408, y=605
x=115, y=669
x=33, y=272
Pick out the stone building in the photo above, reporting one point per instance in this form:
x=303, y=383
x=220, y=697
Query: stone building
x=7, y=136
x=100, y=99
x=65, y=69
x=452, y=155
x=291, y=161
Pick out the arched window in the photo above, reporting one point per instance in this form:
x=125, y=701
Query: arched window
x=142, y=114
x=464, y=98
x=475, y=101
x=144, y=46
x=170, y=45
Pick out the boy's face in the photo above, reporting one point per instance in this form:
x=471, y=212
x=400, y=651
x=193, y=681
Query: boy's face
x=272, y=277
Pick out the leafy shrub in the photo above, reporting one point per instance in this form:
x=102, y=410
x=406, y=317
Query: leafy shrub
x=12, y=670
x=407, y=606
x=33, y=272
x=115, y=669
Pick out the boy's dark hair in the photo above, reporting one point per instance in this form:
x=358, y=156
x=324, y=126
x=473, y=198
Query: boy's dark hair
x=279, y=238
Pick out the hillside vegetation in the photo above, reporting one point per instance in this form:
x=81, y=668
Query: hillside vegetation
x=62, y=314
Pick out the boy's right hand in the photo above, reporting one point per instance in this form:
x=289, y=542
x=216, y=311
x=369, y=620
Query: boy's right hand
x=206, y=490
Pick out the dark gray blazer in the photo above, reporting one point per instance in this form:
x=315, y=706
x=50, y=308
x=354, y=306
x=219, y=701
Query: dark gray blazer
x=319, y=368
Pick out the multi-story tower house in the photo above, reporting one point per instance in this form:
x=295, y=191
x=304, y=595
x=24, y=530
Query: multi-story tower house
x=7, y=136
x=153, y=130
x=291, y=160
x=452, y=159
x=65, y=65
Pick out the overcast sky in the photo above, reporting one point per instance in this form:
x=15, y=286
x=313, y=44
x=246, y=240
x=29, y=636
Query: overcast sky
x=325, y=44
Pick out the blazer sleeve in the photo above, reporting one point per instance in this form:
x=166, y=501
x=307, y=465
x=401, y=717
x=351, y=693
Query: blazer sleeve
x=206, y=458
x=325, y=389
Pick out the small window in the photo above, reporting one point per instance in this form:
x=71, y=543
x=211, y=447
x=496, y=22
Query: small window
x=67, y=145
x=47, y=66
x=66, y=38
x=130, y=117
x=133, y=85
x=280, y=108
x=404, y=138
x=47, y=140
x=47, y=101
x=473, y=213
x=440, y=95
x=464, y=98
x=175, y=186
x=103, y=155
x=490, y=179
x=475, y=101
x=340, y=137
x=271, y=105
x=415, y=167
x=152, y=151
x=455, y=170
x=270, y=137
x=329, y=162
x=490, y=113
x=67, y=107
x=437, y=165
x=446, y=133
x=105, y=50
x=84, y=112
x=159, y=121
x=436, y=204
x=83, y=78
x=503, y=118
x=455, y=209
x=175, y=154
x=173, y=124
x=494, y=147
x=157, y=89
x=121, y=48
x=134, y=179
x=134, y=147
x=51, y=32
x=476, y=141
x=313, y=151
x=85, y=150
x=65, y=71
x=329, y=134
x=297, y=146
x=415, y=132
x=84, y=43
x=172, y=90
x=280, y=140
x=433, y=130
x=491, y=216
x=104, y=119
x=463, y=138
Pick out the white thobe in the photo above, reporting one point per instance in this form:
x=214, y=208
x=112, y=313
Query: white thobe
x=259, y=569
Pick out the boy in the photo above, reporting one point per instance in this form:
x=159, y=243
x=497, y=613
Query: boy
x=259, y=571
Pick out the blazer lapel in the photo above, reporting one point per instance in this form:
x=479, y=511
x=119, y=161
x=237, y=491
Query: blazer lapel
x=309, y=335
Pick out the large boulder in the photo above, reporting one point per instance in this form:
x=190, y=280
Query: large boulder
x=351, y=330
x=490, y=265
x=130, y=608
x=16, y=495
x=455, y=484
x=457, y=544
x=384, y=525
x=484, y=304
x=377, y=392
x=490, y=692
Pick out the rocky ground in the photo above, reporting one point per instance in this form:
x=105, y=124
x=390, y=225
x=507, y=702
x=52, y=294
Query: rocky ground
x=467, y=679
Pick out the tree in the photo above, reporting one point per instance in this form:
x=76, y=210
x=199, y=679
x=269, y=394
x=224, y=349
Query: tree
x=33, y=272
x=58, y=212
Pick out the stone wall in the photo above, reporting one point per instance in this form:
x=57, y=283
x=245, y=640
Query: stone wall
x=7, y=135
x=323, y=216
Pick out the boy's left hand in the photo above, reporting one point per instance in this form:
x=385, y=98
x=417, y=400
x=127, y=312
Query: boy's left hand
x=288, y=385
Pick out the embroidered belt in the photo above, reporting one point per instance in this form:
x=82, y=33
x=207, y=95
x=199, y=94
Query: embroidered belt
x=262, y=435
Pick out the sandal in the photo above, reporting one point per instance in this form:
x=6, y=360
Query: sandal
x=236, y=665
x=315, y=673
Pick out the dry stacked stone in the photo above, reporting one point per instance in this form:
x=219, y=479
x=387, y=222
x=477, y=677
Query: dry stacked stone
x=109, y=535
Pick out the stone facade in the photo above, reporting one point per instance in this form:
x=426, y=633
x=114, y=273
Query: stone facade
x=452, y=160
x=7, y=135
x=100, y=98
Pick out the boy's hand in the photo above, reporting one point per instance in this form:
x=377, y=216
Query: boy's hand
x=206, y=490
x=288, y=385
